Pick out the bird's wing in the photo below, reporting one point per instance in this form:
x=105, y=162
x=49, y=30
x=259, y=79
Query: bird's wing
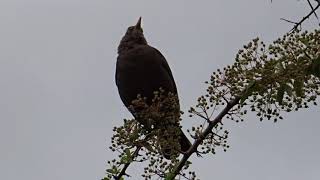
x=165, y=65
x=148, y=52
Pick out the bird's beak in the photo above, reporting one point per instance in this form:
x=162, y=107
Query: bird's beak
x=138, y=25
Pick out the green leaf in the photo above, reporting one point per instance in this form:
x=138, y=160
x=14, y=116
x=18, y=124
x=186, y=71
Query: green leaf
x=288, y=89
x=304, y=41
x=315, y=67
x=127, y=157
x=124, y=159
x=112, y=171
x=128, y=153
x=168, y=176
x=148, y=147
x=283, y=88
x=250, y=89
x=279, y=66
x=298, y=87
x=134, y=135
x=188, y=162
x=280, y=93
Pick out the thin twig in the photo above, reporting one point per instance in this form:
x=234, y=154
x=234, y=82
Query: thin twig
x=202, y=137
x=288, y=21
x=298, y=24
x=315, y=14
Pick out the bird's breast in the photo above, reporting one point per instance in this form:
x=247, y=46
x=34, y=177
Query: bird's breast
x=143, y=74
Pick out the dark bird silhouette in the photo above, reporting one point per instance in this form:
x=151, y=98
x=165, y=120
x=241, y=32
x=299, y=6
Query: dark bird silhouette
x=142, y=69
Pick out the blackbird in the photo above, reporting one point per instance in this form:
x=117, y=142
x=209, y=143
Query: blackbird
x=142, y=70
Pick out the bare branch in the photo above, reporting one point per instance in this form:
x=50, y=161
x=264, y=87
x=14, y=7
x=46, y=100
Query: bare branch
x=315, y=14
x=298, y=24
x=289, y=21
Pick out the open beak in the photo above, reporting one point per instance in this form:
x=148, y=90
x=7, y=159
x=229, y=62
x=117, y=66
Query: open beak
x=138, y=25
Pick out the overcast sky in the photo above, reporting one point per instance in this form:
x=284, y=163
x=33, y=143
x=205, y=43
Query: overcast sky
x=59, y=102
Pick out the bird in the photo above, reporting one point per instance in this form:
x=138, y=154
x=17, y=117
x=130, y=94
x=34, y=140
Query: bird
x=141, y=70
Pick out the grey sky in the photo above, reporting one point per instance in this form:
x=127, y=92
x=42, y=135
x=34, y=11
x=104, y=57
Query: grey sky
x=58, y=99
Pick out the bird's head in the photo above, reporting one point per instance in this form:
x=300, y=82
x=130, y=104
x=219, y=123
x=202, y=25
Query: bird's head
x=134, y=36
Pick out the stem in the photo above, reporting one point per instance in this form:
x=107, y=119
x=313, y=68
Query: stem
x=202, y=136
x=123, y=171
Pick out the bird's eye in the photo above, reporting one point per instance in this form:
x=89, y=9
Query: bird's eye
x=130, y=28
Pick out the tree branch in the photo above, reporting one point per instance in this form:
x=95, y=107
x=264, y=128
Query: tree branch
x=123, y=171
x=298, y=24
x=202, y=136
x=193, y=148
x=268, y=90
x=315, y=14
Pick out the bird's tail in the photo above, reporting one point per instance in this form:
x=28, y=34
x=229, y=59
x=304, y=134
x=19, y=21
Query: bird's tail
x=184, y=142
